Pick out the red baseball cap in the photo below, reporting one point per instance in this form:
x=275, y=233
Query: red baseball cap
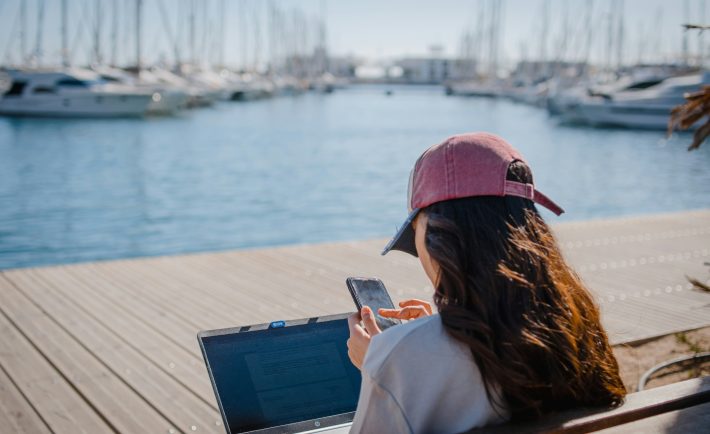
x=466, y=165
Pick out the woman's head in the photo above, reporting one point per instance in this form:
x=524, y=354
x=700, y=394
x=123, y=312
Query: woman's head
x=501, y=284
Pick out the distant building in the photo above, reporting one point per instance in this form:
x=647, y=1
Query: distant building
x=343, y=66
x=318, y=63
x=435, y=70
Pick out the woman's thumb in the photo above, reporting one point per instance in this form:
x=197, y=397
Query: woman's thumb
x=368, y=320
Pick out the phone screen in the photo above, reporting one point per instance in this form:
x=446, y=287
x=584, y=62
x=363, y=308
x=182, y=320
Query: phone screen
x=373, y=294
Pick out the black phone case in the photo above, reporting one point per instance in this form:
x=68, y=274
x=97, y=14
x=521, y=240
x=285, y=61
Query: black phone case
x=358, y=302
x=353, y=293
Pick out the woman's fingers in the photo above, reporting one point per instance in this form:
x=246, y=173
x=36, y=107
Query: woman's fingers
x=358, y=342
x=368, y=320
x=353, y=320
x=416, y=302
x=410, y=312
x=356, y=330
x=389, y=313
x=413, y=312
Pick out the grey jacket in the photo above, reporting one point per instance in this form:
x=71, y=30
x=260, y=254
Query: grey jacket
x=418, y=379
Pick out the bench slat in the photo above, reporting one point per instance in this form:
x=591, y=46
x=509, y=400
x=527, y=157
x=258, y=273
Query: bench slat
x=638, y=406
x=688, y=420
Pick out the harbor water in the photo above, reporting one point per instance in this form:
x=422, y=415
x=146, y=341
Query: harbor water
x=303, y=169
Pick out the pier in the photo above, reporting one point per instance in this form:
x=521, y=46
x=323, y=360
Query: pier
x=111, y=346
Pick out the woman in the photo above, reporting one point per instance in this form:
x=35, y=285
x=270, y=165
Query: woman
x=517, y=334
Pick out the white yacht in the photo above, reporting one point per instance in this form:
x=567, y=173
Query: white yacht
x=288, y=85
x=165, y=99
x=70, y=93
x=534, y=94
x=562, y=99
x=648, y=108
x=248, y=87
x=198, y=95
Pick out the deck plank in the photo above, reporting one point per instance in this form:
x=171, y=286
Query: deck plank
x=16, y=413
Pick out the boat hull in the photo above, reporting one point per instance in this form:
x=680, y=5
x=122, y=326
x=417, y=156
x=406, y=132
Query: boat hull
x=627, y=116
x=94, y=105
x=167, y=102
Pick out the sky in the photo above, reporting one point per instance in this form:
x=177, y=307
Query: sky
x=378, y=30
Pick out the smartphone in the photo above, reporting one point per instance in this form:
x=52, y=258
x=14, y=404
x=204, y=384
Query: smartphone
x=372, y=293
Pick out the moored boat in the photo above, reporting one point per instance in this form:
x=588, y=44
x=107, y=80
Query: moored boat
x=70, y=93
x=649, y=108
x=165, y=99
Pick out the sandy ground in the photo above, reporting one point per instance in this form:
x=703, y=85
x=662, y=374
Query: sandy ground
x=634, y=360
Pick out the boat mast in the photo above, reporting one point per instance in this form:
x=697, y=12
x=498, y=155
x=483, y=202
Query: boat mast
x=272, y=37
x=610, y=37
x=127, y=29
x=139, y=7
x=588, y=42
x=492, y=41
x=23, y=32
x=97, y=33
x=243, y=33
x=620, y=36
x=563, y=47
x=701, y=35
x=658, y=42
x=65, y=36
x=205, y=49
x=642, y=45
x=499, y=30
x=193, y=54
x=319, y=42
x=545, y=28
x=40, y=28
x=479, y=38
x=222, y=31
x=114, y=34
x=179, y=33
x=686, y=10
x=257, y=33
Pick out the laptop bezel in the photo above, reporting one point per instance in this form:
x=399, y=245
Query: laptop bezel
x=295, y=427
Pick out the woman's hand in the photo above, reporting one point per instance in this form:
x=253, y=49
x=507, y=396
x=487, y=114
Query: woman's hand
x=360, y=335
x=410, y=309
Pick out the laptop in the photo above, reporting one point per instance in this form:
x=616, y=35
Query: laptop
x=283, y=377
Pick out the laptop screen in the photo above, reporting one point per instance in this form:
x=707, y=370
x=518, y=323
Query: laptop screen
x=273, y=377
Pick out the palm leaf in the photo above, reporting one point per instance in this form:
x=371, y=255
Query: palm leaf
x=684, y=116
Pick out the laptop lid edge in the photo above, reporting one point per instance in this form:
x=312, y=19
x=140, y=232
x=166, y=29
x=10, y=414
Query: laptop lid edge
x=214, y=385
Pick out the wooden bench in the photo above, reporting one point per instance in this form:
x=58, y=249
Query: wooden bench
x=682, y=407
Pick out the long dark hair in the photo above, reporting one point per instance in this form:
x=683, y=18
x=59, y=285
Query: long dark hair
x=505, y=290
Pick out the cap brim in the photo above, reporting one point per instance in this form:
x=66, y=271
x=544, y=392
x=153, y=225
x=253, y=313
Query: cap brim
x=404, y=239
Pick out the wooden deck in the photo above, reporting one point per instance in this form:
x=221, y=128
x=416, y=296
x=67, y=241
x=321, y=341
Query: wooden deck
x=111, y=347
